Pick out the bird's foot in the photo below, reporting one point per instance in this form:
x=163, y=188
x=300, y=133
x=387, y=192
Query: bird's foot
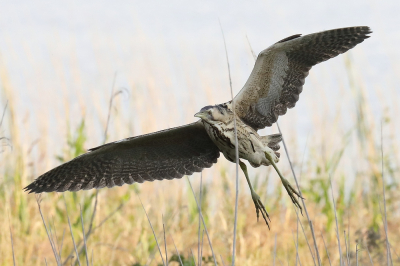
x=260, y=208
x=292, y=192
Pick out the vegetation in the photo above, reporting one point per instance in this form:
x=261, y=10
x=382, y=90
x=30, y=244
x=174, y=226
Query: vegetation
x=117, y=231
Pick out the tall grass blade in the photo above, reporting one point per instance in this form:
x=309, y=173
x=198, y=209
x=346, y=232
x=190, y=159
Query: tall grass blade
x=395, y=253
x=348, y=237
x=297, y=240
x=369, y=255
x=204, y=224
x=296, y=244
x=165, y=242
x=251, y=49
x=177, y=252
x=154, y=234
x=84, y=237
x=337, y=226
x=308, y=244
x=347, y=249
x=114, y=247
x=388, y=253
x=108, y=217
x=357, y=254
x=302, y=199
x=110, y=106
x=56, y=242
x=47, y=231
x=194, y=259
x=315, y=243
x=72, y=235
x=52, y=237
x=223, y=263
x=4, y=113
x=8, y=142
x=11, y=237
x=273, y=263
x=93, y=213
x=198, y=241
x=236, y=151
x=297, y=220
x=326, y=248
x=299, y=261
x=201, y=251
x=61, y=245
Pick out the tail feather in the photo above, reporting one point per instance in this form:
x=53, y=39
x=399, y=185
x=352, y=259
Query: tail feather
x=272, y=141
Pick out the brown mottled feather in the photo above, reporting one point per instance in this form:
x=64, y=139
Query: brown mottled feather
x=279, y=72
x=166, y=154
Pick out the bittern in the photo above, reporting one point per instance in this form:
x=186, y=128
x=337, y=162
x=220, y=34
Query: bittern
x=274, y=86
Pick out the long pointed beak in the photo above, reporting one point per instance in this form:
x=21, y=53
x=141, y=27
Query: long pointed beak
x=199, y=115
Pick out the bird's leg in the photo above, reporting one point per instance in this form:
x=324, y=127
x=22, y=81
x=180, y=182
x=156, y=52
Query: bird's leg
x=255, y=197
x=290, y=190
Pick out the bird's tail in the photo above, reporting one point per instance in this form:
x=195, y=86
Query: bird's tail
x=272, y=141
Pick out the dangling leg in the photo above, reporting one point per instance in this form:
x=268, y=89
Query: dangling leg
x=255, y=197
x=290, y=190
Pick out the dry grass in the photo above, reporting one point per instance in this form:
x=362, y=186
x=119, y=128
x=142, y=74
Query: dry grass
x=121, y=234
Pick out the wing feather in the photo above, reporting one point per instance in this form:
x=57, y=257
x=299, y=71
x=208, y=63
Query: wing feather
x=279, y=73
x=166, y=154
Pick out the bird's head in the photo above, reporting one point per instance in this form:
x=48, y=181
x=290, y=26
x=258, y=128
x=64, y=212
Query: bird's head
x=214, y=114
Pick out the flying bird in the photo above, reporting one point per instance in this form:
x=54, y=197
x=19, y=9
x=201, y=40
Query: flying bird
x=274, y=85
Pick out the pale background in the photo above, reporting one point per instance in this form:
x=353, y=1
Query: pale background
x=58, y=60
x=61, y=58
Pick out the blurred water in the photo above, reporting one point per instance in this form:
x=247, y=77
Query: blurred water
x=60, y=53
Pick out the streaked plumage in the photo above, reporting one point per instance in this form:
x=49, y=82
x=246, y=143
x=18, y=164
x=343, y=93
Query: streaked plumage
x=251, y=145
x=167, y=154
x=274, y=86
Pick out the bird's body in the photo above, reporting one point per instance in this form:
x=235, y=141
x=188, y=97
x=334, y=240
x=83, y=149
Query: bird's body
x=274, y=85
x=251, y=146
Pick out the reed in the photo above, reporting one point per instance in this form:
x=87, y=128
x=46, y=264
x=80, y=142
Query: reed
x=348, y=150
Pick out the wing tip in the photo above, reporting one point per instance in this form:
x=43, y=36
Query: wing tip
x=359, y=31
x=32, y=188
x=365, y=30
x=41, y=184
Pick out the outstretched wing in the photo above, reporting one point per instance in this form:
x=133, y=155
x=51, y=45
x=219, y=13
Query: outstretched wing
x=166, y=154
x=279, y=72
